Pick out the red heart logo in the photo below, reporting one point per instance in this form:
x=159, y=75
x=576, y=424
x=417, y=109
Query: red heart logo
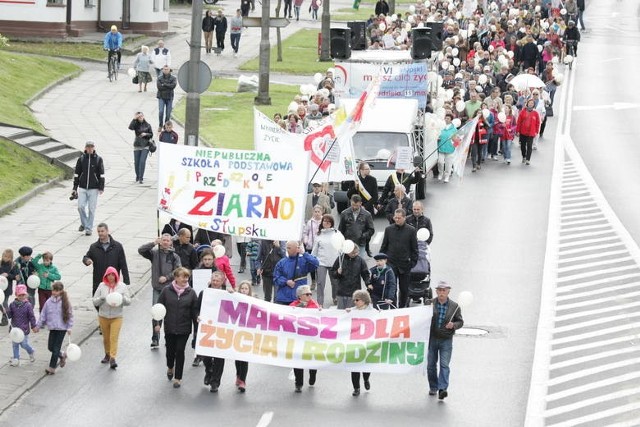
x=318, y=143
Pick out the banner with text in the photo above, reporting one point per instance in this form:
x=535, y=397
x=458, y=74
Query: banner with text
x=243, y=193
x=396, y=80
x=240, y=327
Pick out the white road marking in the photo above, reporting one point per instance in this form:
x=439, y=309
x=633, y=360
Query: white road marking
x=377, y=238
x=615, y=106
x=265, y=419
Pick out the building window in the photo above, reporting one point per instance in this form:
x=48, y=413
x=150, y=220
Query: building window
x=89, y=3
x=165, y=4
x=55, y=3
x=156, y=5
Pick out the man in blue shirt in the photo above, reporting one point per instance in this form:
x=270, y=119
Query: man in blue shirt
x=446, y=319
x=113, y=42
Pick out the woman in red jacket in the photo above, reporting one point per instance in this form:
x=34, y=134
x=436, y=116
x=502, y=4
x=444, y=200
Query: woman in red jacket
x=479, y=138
x=527, y=127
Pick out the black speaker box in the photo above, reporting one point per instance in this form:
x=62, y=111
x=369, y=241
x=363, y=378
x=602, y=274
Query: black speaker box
x=358, y=35
x=340, y=43
x=436, y=34
x=421, y=46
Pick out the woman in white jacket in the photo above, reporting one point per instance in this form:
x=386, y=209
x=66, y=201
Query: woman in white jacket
x=326, y=254
x=110, y=313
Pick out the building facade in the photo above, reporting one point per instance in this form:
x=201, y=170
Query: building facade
x=73, y=18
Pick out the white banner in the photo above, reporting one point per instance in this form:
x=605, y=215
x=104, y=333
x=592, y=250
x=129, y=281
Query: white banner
x=330, y=159
x=238, y=192
x=240, y=327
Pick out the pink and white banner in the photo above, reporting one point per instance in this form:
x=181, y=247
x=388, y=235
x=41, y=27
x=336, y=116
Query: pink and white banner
x=240, y=327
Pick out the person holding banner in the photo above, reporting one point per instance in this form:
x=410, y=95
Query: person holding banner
x=361, y=301
x=213, y=366
x=325, y=252
x=446, y=318
x=304, y=300
x=181, y=303
x=349, y=270
x=242, y=367
x=291, y=272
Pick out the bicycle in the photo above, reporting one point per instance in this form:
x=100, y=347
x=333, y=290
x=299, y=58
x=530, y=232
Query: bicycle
x=112, y=65
x=570, y=51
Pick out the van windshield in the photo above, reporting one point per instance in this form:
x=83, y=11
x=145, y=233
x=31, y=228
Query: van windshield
x=377, y=145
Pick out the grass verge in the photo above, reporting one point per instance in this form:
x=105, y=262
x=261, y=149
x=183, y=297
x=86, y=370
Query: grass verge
x=226, y=117
x=72, y=50
x=299, y=55
x=22, y=170
x=21, y=78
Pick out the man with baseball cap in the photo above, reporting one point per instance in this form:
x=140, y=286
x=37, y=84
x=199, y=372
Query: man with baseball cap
x=88, y=183
x=446, y=318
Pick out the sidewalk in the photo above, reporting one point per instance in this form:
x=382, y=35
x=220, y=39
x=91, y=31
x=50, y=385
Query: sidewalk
x=91, y=108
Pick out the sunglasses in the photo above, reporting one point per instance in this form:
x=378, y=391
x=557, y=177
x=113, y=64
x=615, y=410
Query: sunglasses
x=309, y=294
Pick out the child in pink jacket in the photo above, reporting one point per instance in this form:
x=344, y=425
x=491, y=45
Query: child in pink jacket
x=222, y=262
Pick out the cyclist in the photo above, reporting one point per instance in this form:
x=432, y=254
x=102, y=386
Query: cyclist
x=572, y=36
x=113, y=43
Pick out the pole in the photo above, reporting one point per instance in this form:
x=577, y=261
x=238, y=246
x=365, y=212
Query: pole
x=265, y=48
x=325, y=46
x=192, y=119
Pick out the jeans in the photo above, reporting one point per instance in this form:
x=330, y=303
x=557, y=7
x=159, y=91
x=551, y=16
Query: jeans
x=314, y=13
x=322, y=274
x=493, y=145
x=526, y=146
x=242, y=253
x=235, y=41
x=439, y=348
x=175, y=345
x=24, y=344
x=110, y=333
x=287, y=7
x=140, y=162
x=299, y=375
x=220, y=39
x=506, y=149
x=87, y=202
x=296, y=10
x=56, y=338
x=255, y=279
x=164, y=110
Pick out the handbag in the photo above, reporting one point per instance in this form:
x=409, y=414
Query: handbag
x=549, y=110
x=135, y=80
x=152, y=146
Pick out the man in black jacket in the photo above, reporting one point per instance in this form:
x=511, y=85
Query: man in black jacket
x=166, y=84
x=106, y=252
x=418, y=220
x=356, y=224
x=446, y=318
x=400, y=243
x=88, y=183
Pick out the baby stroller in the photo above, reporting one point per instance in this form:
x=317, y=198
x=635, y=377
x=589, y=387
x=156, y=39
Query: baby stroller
x=420, y=285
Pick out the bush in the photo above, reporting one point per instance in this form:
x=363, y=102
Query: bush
x=4, y=42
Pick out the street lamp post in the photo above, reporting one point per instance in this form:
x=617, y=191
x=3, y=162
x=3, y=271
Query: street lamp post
x=263, y=97
x=192, y=113
x=325, y=45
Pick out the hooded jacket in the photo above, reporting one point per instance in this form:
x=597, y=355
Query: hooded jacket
x=89, y=172
x=100, y=297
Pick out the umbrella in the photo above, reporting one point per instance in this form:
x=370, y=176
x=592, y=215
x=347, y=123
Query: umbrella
x=526, y=81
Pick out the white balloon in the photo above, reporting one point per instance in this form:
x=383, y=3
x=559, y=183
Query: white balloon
x=337, y=240
x=448, y=94
x=482, y=79
x=563, y=12
x=510, y=54
x=493, y=28
x=450, y=6
x=420, y=25
x=471, y=27
x=114, y=299
x=460, y=106
x=462, y=92
x=33, y=281
x=427, y=3
x=293, y=107
x=412, y=9
x=17, y=335
x=445, y=65
x=502, y=117
x=539, y=48
x=218, y=251
x=394, y=17
x=455, y=51
x=440, y=113
x=440, y=56
x=458, y=15
x=74, y=353
x=568, y=59
x=158, y=311
x=491, y=48
x=4, y=283
x=382, y=26
x=1, y=297
x=317, y=77
x=348, y=246
x=486, y=113
x=423, y=234
x=456, y=62
x=132, y=72
x=465, y=298
x=456, y=122
x=559, y=78
x=537, y=8
x=555, y=60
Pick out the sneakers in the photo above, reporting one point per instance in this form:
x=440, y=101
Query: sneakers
x=442, y=394
x=81, y=228
x=87, y=232
x=474, y=169
x=169, y=374
x=446, y=180
x=313, y=285
x=63, y=360
x=433, y=392
x=196, y=361
x=105, y=359
x=367, y=385
x=14, y=362
x=312, y=378
x=242, y=387
x=440, y=177
x=207, y=378
x=50, y=371
x=113, y=364
x=298, y=389
x=527, y=163
x=154, y=344
x=508, y=162
x=524, y=160
x=176, y=383
x=356, y=392
x=32, y=357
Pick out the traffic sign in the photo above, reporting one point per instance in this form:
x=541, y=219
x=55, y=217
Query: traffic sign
x=204, y=77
